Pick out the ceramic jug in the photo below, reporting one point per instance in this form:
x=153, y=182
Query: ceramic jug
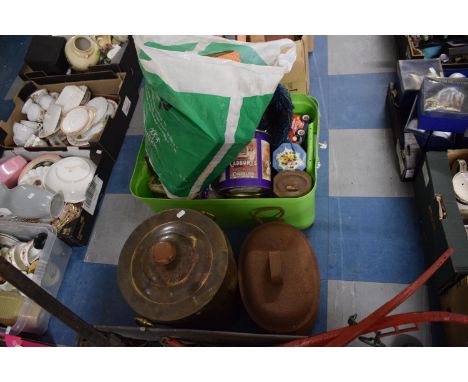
x=31, y=202
x=82, y=52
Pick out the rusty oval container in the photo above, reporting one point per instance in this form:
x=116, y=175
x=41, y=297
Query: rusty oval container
x=279, y=279
x=176, y=268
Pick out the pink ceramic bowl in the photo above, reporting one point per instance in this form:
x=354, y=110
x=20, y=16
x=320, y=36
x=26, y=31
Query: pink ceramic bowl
x=10, y=170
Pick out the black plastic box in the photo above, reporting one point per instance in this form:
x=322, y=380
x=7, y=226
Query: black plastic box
x=128, y=64
x=47, y=54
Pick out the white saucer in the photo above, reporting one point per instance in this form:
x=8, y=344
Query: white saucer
x=100, y=104
x=78, y=120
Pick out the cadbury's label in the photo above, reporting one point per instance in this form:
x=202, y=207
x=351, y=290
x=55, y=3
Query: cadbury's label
x=245, y=165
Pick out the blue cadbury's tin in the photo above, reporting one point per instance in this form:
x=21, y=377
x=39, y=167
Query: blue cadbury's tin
x=250, y=173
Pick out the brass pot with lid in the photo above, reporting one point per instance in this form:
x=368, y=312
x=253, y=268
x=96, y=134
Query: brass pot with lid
x=279, y=279
x=177, y=267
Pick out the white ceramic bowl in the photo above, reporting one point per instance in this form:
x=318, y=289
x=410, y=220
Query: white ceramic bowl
x=71, y=176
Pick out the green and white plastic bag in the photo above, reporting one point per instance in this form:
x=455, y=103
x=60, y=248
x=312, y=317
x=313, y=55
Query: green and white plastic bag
x=201, y=111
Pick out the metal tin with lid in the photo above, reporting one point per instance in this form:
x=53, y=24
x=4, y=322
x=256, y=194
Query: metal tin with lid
x=279, y=279
x=249, y=175
x=291, y=184
x=177, y=267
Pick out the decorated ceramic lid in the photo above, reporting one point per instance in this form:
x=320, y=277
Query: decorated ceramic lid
x=172, y=265
x=289, y=156
x=291, y=184
x=279, y=279
x=71, y=176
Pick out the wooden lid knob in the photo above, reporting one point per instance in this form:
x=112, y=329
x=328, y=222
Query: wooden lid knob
x=163, y=252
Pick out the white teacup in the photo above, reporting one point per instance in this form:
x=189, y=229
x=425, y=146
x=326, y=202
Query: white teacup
x=26, y=106
x=21, y=133
x=38, y=93
x=460, y=180
x=35, y=113
x=35, y=126
x=45, y=100
x=35, y=141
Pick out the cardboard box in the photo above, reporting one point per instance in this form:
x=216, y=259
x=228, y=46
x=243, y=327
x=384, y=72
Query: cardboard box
x=455, y=300
x=78, y=231
x=116, y=86
x=125, y=62
x=297, y=80
x=442, y=220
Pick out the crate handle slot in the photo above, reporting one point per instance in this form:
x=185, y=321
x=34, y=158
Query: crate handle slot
x=442, y=209
x=277, y=217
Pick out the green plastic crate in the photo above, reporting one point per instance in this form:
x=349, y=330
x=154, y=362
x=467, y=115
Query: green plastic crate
x=231, y=213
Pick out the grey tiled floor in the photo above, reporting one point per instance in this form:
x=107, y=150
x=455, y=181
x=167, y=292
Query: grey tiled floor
x=361, y=54
x=119, y=215
x=362, y=163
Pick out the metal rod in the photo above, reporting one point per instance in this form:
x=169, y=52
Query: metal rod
x=351, y=332
x=52, y=305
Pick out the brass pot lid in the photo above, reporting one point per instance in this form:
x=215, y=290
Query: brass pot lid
x=279, y=278
x=290, y=184
x=172, y=265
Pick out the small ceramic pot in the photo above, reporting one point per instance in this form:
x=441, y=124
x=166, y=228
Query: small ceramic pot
x=35, y=113
x=31, y=202
x=82, y=52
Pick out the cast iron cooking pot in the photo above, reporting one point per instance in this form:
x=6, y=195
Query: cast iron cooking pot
x=177, y=267
x=279, y=279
